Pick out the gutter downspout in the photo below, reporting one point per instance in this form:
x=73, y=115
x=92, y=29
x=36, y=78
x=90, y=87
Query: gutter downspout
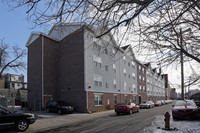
x=42, y=72
x=85, y=69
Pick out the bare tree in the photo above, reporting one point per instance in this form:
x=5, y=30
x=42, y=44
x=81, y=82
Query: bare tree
x=160, y=27
x=10, y=58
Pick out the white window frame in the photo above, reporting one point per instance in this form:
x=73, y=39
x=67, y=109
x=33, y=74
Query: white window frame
x=99, y=99
x=98, y=79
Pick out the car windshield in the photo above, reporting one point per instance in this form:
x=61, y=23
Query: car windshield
x=185, y=103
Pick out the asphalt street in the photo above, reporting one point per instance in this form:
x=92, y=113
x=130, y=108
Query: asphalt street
x=113, y=123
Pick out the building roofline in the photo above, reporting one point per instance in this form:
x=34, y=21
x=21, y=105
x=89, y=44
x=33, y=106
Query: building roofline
x=38, y=34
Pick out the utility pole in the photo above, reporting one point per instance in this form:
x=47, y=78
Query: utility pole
x=182, y=69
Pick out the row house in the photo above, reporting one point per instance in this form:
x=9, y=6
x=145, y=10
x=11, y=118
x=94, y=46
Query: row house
x=91, y=73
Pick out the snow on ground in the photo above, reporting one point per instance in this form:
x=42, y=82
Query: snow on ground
x=180, y=126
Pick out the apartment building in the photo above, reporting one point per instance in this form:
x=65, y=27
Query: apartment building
x=155, y=84
x=15, y=81
x=71, y=64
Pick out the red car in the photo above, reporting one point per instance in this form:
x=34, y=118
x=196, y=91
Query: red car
x=158, y=103
x=126, y=108
x=184, y=109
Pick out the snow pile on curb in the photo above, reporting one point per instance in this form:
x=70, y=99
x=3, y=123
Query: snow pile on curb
x=181, y=126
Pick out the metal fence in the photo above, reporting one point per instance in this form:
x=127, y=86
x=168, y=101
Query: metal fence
x=7, y=102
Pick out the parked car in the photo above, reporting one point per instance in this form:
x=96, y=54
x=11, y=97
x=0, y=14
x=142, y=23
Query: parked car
x=126, y=108
x=197, y=103
x=184, y=109
x=163, y=102
x=147, y=105
x=158, y=103
x=59, y=107
x=15, y=119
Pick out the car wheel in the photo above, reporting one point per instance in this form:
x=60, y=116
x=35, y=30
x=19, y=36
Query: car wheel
x=59, y=112
x=149, y=107
x=48, y=110
x=22, y=125
x=118, y=113
x=131, y=111
x=137, y=110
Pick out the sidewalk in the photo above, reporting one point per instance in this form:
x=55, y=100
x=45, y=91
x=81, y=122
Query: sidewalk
x=180, y=126
x=49, y=122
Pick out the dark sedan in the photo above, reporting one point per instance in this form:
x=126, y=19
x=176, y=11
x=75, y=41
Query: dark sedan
x=184, y=109
x=126, y=108
x=18, y=120
x=59, y=107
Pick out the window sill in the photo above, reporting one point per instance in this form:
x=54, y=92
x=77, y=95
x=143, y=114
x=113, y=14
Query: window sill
x=98, y=105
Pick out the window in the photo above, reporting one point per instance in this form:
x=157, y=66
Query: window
x=97, y=46
x=133, y=75
x=134, y=99
x=124, y=85
x=106, y=67
x=106, y=51
x=133, y=64
x=113, y=51
x=97, y=61
x=140, y=68
x=144, y=89
x=140, y=88
x=124, y=72
x=129, y=64
x=114, y=84
x=97, y=80
x=107, y=85
x=144, y=79
x=125, y=99
x=114, y=68
x=98, y=99
x=133, y=87
x=108, y=101
x=20, y=78
x=129, y=88
x=13, y=85
x=124, y=59
x=115, y=99
x=140, y=77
